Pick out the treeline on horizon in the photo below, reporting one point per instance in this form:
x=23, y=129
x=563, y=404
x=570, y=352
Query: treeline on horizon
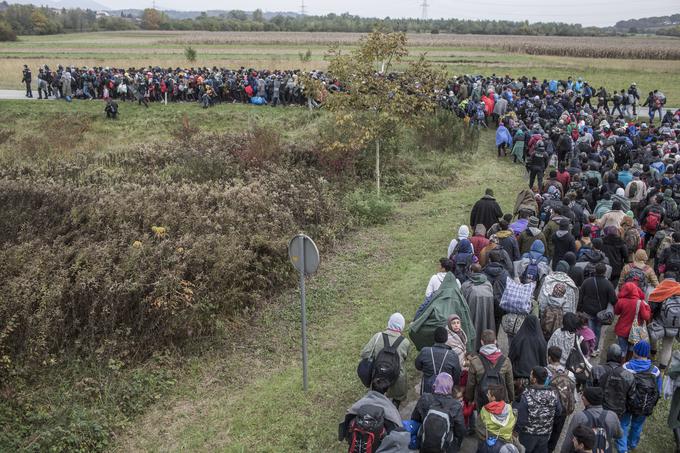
x=31, y=20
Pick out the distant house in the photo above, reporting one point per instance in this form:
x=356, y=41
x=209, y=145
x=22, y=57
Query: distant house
x=101, y=14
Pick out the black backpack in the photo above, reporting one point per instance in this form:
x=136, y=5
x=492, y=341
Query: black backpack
x=462, y=266
x=645, y=394
x=492, y=376
x=367, y=430
x=614, y=391
x=435, y=432
x=602, y=444
x=387, y=363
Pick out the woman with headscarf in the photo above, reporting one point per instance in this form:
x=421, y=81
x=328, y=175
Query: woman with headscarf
x=527, y=350
x=565, y=337
x=442, y=400
x=395, y=325
x=463, y=259
x=457, y=338
x=463, y=233
x=518, y=147
x=644, y=276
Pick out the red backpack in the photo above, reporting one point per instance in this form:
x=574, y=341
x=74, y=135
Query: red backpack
x=652, y=222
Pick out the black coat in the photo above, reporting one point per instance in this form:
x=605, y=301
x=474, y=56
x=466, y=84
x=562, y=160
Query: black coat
x=449, y=365
x=562, y=245
x=594, y=295
x=528, y=348
x=616, y=251
x=486, y=211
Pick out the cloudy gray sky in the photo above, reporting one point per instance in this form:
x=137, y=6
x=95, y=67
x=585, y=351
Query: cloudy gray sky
x=586, y=12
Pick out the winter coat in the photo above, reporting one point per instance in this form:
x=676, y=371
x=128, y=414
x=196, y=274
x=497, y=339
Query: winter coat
x=458, y=344
x=478, y=293
x=497, y=276
x=499, y=424
x=549, y=231
x=463, y=233
x=476, y=373
x=616, y=251
x=570, y=298
x=629, y=295
x=528, y=237
x=478, y=243
x=537, y=409
x=486, y=211
x=595, y=294
x=612, y=218
x=445, y=361
x=612, y=426
x=399, y=389
x=378, y=399
x=506, y=239
x=563, y=241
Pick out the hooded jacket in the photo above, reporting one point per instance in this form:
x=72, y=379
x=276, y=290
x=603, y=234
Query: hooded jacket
x=616, y=251
x=528, y=348
x=496, y=419
x=563, y=241
x=507, y=240
x=527, y=239
x=479, y=240
x=463, y=233
x=594, y=295
x=486, y=211
x=476, y=373
x=478, y=293
x=537, y=409
x=629, y=295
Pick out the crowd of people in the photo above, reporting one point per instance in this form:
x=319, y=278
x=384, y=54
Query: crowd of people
x=581, y=276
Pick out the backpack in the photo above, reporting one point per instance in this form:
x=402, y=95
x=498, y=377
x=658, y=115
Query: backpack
x=652, y=222
x=366, y=430
x=632, y=240
x=670, y=313
x=614, y=392
x=645, y=393
x=602, y=444
x=632, y=191
x=463, y=264
x=565, y=389
x=435, y=432
x=551, y=320
x=637, y=276
x=673, y=262
x=530, y=273
x=387, y=363
x=589, y=271
x=492, y=376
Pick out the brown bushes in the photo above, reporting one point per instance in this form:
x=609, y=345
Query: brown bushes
x=134, y=251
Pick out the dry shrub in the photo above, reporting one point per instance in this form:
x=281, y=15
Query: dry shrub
x=58, y=135
x=125, y=254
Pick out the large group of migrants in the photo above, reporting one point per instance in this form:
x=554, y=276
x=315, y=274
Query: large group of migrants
x=588, y=260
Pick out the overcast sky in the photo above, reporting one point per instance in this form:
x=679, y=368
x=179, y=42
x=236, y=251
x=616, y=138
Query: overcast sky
x=586, y=12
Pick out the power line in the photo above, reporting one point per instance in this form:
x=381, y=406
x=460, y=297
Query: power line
x=303, y=9
x=424, y=13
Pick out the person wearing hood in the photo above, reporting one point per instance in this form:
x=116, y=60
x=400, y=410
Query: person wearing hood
x=518, y=147
x=489, y=357
x=575, y=273
x=442, y=400
x=631, y=424
x=462, y=259
x=395, y=435
x=594, y=254
x=398, y=391
x=436, y=359
x=613, y=217
x=596, y=293
x=563, y=241
x=631, y=301
x=536, y=254
x=497, y=275
x=486, y=211
x=615, y=250
x=667, y=262
x=504, y=257
x=463, y=233
x=530, y=235
x=496, y=420
x=550, y=228
x=457, y=339
x=507, y=240
x=592, y=398
x=478, y=293
x=479, y=240
x=527, y=350
x=615, y=395
x=503, y=139
x=640, y=262
x=537, y=409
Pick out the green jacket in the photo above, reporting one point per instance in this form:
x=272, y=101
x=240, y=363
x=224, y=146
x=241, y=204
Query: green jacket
x=489, y=425
x=446, y=301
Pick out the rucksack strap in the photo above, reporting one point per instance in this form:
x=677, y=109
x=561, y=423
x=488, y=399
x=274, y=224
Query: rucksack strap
x=386, y=340
x=398, y=342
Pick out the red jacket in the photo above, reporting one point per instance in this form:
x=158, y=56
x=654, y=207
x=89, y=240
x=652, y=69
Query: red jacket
x=565, y=178
x=478, y=243
x=629, y=294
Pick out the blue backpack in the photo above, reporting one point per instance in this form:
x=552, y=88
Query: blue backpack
x=530, y=273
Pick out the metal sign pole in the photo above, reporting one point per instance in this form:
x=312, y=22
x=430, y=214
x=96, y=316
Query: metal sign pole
x=304, y=315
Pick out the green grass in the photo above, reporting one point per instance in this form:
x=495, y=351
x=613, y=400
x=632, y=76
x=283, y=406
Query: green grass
x=250, y=399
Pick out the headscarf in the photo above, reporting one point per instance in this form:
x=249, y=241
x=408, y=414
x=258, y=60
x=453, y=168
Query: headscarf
x=641, y=257
x=396, y=322
x=464, y=246
x=480, y=230
x=443, y=384
x=463, y=232
x=460, y=331
x=528, y=348
x=537, y=250
x=562, y=266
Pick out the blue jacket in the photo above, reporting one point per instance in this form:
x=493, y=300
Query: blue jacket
x=503, y=136
x=625, y=177
x=641, y=365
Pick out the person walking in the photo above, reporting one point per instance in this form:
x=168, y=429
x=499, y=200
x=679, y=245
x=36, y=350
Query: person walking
x=604, y=423
x=486, y=211
x=631, y=303
x=536, y=411
x=26, y=78
x=436, y=359
x=490, y=366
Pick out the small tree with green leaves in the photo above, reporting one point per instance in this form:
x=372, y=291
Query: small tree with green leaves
x=376, y=100
x=190, y=54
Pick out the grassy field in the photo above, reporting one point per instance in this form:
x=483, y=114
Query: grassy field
x=459, y=54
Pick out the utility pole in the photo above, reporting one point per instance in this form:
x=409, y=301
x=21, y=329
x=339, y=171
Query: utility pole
x=154, y=4
x=424, y=5
x=303, y=9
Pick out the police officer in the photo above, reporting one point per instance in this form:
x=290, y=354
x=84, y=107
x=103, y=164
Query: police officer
x=27, y=80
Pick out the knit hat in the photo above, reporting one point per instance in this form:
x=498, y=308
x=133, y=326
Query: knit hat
x=562, y=266
x=533, y=222
x=396, y=322
x=641, y=349
x=440, y=335
x=594, y=395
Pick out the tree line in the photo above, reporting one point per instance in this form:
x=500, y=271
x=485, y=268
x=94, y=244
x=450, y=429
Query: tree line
x=31, y=20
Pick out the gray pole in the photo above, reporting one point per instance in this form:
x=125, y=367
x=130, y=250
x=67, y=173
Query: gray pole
x=304, y=317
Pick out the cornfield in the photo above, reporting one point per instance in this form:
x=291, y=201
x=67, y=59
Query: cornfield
x=651, y=48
